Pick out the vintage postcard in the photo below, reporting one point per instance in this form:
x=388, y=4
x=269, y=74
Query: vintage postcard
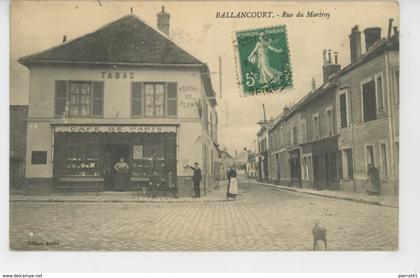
x=204, y=125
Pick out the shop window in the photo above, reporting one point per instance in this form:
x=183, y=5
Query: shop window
x=379, y=92
x=343, y=111
x=39, y=157
x=149, y=157
x=79, y=99
x=369, y=101
x=384, y=162
x=83, y=160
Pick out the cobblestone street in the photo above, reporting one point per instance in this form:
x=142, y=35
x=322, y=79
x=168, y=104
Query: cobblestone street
x=262, y=218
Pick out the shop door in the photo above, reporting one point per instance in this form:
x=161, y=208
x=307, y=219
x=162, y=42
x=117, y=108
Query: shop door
x=295, y=168
x=112, y=155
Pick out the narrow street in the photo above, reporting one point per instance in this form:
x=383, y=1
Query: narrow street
x=262, y=218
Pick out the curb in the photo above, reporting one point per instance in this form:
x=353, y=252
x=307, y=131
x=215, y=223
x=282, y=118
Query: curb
x=326, y=196
x=116, y=201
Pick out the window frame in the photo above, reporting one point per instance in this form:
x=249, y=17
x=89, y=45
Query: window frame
x=344, y=91
x=381, y=75
x=329, y=127
x=66, y=113
x=363, y=82
x=154, y=99
x=316, y=135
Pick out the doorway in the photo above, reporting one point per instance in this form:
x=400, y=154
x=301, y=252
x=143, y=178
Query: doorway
x=113, y=153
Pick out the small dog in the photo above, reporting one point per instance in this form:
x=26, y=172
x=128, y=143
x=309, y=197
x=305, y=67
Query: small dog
x=319, y=234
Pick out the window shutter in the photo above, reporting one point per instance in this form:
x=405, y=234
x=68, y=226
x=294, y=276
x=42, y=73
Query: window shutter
x=136, y=98
x=60, y=98
x=98, y=99
x=172, y=99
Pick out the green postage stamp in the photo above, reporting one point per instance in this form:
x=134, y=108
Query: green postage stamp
x=262, y=60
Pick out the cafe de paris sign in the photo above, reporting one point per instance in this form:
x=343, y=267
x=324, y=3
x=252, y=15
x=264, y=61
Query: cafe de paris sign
x=115, y=128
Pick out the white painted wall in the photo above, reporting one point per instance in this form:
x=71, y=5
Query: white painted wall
x=117, y=98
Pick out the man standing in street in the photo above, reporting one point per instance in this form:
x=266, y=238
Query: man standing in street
x=196, y=179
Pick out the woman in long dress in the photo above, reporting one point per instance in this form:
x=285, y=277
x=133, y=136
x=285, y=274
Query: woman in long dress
x=259, y=56
x=232, y=189
x=121, y=177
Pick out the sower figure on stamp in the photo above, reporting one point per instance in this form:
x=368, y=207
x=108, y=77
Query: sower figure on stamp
x=232, y=188
x=373, y=180
x=259, y=56
x=196, y=179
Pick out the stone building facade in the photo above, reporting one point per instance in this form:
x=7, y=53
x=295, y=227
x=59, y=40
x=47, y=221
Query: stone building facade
x=328, y=139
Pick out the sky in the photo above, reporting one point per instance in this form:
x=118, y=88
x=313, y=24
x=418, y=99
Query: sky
x=39, y=25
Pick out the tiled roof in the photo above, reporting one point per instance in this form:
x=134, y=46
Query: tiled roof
x=126, y=41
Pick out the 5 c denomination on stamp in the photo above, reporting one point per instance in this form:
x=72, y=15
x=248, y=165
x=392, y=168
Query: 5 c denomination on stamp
x=262, y=60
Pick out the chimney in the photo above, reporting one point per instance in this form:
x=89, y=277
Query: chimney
x=330, y=68
x=396, y=30
x=64, y=38
x=355, y=44
x=286, y=110
x=163, y=21
x=313, y=83
x=372, y=35
x=390, y=27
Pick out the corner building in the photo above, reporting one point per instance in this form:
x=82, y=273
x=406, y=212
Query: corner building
x=125, y=90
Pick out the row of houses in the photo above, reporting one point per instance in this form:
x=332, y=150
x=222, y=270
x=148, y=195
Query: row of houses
x=328, y=139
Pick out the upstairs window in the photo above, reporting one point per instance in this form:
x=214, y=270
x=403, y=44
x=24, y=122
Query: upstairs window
x=329, y=122
x=79, y=99
x=379, y=91
x=315, y=127
x=343, y=111
x=369, y=101
x=303, y=132
x=295, y=135
x=154, y=99
x=154, y=95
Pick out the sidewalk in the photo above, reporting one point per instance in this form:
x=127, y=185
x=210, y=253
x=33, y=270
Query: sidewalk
x=215, y=195
x=386, y=201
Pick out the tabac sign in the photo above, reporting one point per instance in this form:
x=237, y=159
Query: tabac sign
x=115, y=128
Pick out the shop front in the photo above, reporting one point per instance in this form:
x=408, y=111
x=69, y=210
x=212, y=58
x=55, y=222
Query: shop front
x=85, y=155
x=294, y=162
x=326, y=163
